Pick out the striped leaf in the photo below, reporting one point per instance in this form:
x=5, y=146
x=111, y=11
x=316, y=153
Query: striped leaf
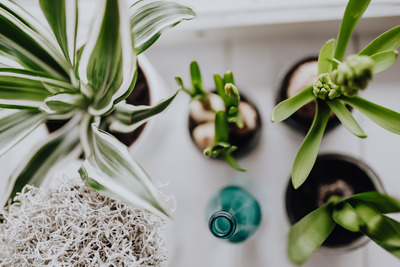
x=149, y=19
x=63, y=103
x=61, y=146
x=16, y=125
x=111, y=170
x=108, y=64
x=62, y=16
x=24, y=39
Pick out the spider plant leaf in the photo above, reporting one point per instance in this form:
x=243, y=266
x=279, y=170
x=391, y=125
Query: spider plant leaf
x=25, y=40
x=149, y=19
x=221, y=127
x=289, y=106
x=384, y=117
x=61, y=146
x=381, y=202
x=389, y=40
x=129, y=117
x=63, y=103
x=345, y=117
x=307, y=154
x=111, y=170
x=381, y=229
x=353, y=13
x=346, y=216
x=108, y=64
x=62, y=16
x=383, y=60
x=308, y=234
x=16, y=125
x=325, y=57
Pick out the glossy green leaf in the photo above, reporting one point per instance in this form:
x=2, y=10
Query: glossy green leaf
x=60, y=146
x=16, y=125
x=195, y=76
x=345, y=117
x=381, y=202
x=325, y=57
x=149, y=19
x=307, y=154
x=130, y=117
x=221, y=127
x=108, y=64
x=346, y=216
x=383, y=60
x=62, y=16
x=386, y=118
x=353, y=13
x=307, y=235
x=233, y=163
x=389, y=40
x=289, y=106
x=63, y=103
x=111, y=170
x=24, y=39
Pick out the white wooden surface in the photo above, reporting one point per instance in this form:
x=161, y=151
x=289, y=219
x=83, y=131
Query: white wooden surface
x=257, y=52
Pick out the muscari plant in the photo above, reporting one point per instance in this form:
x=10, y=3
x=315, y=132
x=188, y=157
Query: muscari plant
x=338, y=83
x=363, y=212
x=50, y=80
x=229, y=93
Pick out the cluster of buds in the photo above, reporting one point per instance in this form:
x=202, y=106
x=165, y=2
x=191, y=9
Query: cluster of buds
x=354, y=74
x=324, y=87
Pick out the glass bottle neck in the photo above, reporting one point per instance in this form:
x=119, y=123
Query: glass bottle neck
x=222, y=224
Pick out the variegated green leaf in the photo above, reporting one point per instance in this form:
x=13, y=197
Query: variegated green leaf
x=308, y=152
x=61, y=146
x=108, y=64
x=111, y=170
x=383, y=60
x=129, y=117
x=16, y=125
x=149, y=19
x=389, y=40
x=24, y=39
x=325, y=57
x=289, y=106
x=62, y=16
x=63, y=103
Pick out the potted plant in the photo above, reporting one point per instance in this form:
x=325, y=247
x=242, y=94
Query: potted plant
x=338, y=84
x=340, y=206
x=87, y=88
x=222, y=123
x=80, y=227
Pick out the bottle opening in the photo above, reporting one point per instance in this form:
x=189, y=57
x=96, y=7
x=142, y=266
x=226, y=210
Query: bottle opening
x=222, y=224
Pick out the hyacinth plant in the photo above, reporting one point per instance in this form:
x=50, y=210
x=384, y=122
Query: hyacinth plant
x=363, y=212
x=338, y=84
x=51, y=79
x=229, y=93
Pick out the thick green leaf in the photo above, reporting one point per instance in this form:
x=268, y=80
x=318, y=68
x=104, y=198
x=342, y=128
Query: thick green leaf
x=307, y=235
x=325, y=57
x=386, y=118
x=16, y=125
x=383, y=60
x=346, y=216
x=353, y=13
x=381, y=202
x=24, y=39
x=387, y=41
x=289, y=106
x=149, y=19
x=129, y=117
x=108, y=64
x=307, y=154
x=60, y=146
x=221, y=127
x=63, y=103
x=195, y=75
x=232, y=162
x=345, y=117
x=62, y=16
x=112, y=170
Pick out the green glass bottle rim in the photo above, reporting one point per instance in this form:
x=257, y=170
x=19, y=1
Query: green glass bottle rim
x=222, y=224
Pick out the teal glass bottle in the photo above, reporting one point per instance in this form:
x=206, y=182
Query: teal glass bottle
x=234, y=214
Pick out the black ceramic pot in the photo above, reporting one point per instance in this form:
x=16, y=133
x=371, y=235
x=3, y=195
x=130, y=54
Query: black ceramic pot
x=245, y=142
x=302, y=119
x=328, y=176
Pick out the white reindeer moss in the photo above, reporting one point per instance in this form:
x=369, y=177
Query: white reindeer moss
x=73, y=225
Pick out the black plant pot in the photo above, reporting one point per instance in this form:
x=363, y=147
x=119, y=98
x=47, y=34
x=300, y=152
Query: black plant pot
x=245, y=142
x=322, y=183
x=302, y=119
